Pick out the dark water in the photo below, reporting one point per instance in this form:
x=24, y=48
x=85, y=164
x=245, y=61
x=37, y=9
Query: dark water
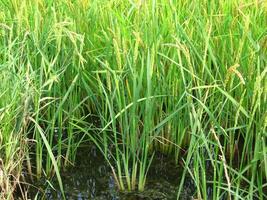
x=91, y=178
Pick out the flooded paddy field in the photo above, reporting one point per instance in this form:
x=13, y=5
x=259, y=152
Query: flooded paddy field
x=91, y=178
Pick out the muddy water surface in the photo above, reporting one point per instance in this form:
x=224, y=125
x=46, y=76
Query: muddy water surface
x=91, y=178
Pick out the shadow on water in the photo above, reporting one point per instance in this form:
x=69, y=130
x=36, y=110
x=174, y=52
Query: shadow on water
x=91, y=178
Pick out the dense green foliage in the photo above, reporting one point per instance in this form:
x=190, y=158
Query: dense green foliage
x=186, y=78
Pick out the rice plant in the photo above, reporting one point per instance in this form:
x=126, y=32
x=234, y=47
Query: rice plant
x=183, y=78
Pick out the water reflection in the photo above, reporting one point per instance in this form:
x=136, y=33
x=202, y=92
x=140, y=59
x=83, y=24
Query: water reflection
x=91, y=178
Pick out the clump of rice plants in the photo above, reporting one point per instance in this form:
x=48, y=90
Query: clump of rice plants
x=185, y=78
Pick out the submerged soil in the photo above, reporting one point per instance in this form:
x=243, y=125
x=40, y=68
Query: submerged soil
x=91, y=178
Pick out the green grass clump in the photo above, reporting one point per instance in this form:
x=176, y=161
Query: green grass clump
x=160, y=75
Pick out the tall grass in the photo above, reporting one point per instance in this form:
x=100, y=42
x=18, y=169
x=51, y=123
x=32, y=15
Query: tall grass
x=186, y=78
